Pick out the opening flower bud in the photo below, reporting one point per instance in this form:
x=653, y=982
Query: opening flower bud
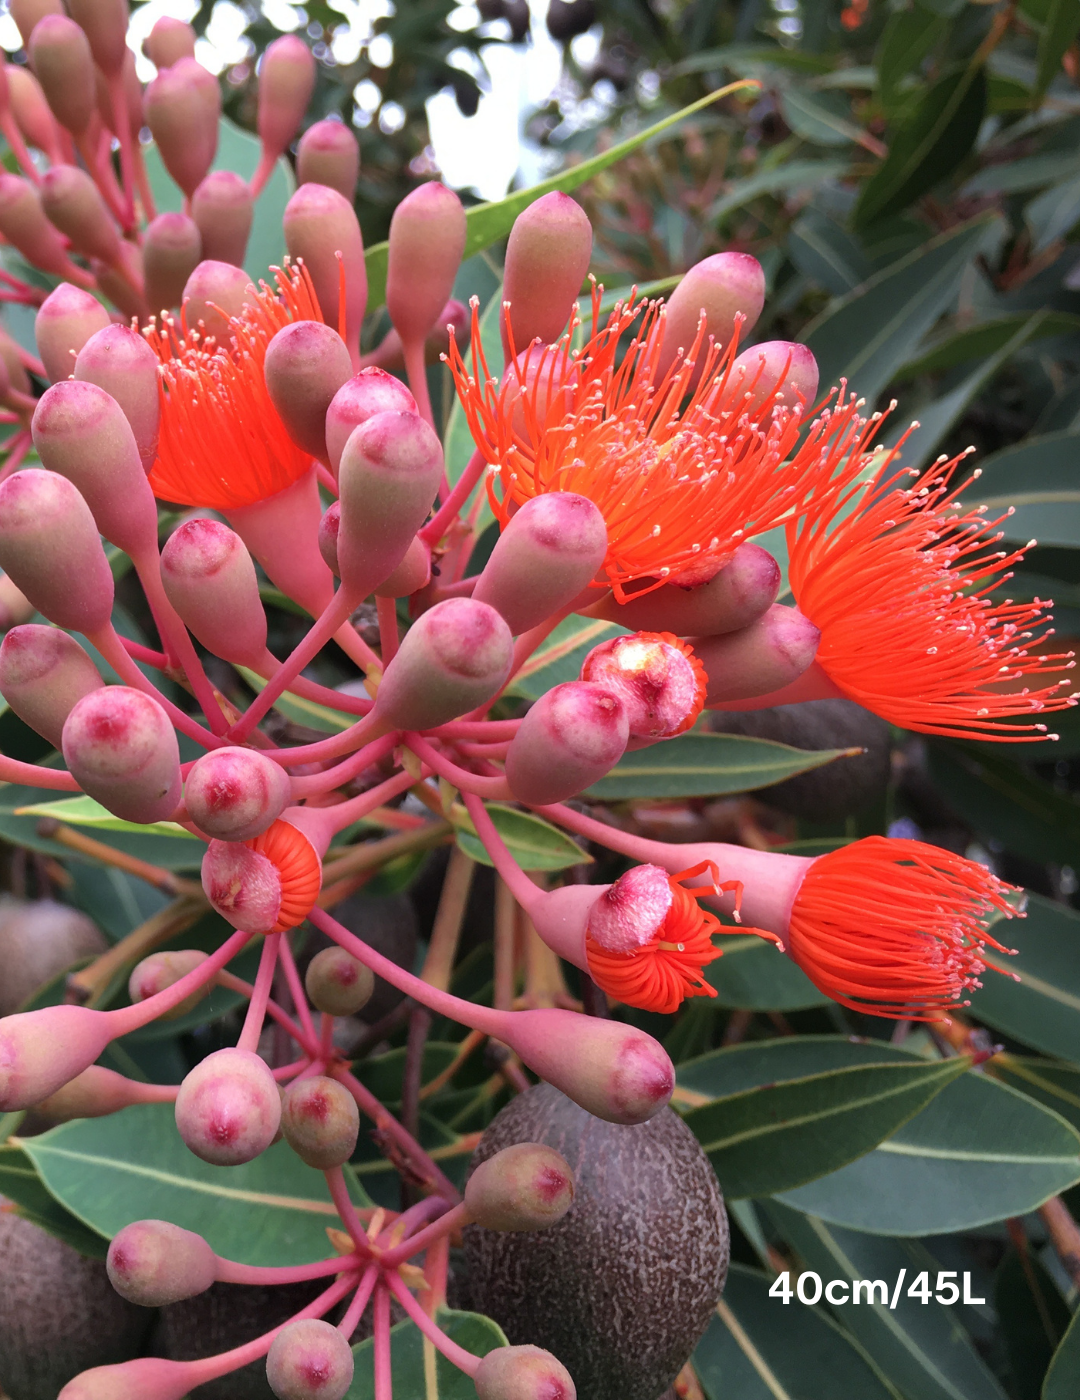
x=721, y=287
x=65, y=321
x=286, y=81
x=572, y=736
x=524, y=1187
x=761, y=658
x=74, y=204
x=319, y=225
x=24, y=224
x=161, y=970
x=453, y=658
x=210, y=580
x=547, y=259
x=223, y=209
x=214, y=292
x=427, y=239
x=183, y=107
x=776, y=371
x=228, y=1109
x=97, y=1093
x=40, y=1051
x=337, y=983
x=321, y=1121
x=266, y=884
x=172, y=249
x=366, y=394
x=658, y=678
x=523, y=1373
x=44, y=673
x=153, y=1263
x=309, y=1360
x=122, y=750
x=548, y=553
x=233, y=794
x=60, y=56
x=49, y=545
x=169, y=41
x=306, y=364
x=329, y=154
x=119, y=361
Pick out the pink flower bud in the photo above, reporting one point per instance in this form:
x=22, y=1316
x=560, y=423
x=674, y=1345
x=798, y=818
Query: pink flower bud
x=119, y=361
x=31, y=111
x=26, y=14
x=42, y=1050
x=776, y=371
x=521, y=1373
x=122, y=749
x=329, y=154
x=120, y=283
x=370, y=392
x=309, y=1360
x=388, y=475
x=65, y=321
x=320, y=1121
x=161, y=970
x=228, y=1109
x=183, y=107
x=319, y=224
x=572, y=736
x=172, y=249
x=153, y=1263
x=60, y=56
x=223, y=209
x=735, y=596
x=98, y=1092
x=104, y=22
x=80, y=432
x=132, y=1380
x=658, y=678
x=306, y=364
x=524, y=1187
x=547, y=258
x=761, y=658
x=337, y=983
x=286, y=81
x=427, y=239
x=232, y=794
x=210, y=580
x=214, y=292
x=723, y=286
x=133, y=98
x=453, y=658
x=74, y=204
x=24, y=224
x=413, y=573
x=329, y=528
x=169, y=41
x=15, y=606
x=44, y=673
x=49, y=545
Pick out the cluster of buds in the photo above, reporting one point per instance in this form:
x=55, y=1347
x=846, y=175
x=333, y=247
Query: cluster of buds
x=628, y=483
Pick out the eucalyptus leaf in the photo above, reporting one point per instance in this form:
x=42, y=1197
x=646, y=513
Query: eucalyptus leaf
x=301, y=710
x=1062, y=1381
x=1059, y=30
x=1037, y=481
x=84, y=811
x=1054, y=1084
x=986, y=338
x=753, y=975
x=560, y=656
x=533, y=842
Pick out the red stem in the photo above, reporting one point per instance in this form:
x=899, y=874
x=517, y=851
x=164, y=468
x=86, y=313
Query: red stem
x=230, y=1272
x=339, y=1194
x=355, y=1311
x=460, y=777
x=260, y=994
x=384, y=1384
x=457, y=1356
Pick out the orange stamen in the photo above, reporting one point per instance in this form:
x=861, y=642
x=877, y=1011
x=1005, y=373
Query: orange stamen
x=299, y=867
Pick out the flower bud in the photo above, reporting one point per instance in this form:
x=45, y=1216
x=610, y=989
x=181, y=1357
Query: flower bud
x=228, y=1109
x=337, y=983
x=266, y=884
x=210, y=580
x=183, y=107
x=81, y=433
x=413, y=573
x=306, y=364
x=776, y=371
x=169, y=41
x=571, y=737
x=74, y=205
x=319, y=224
x=320, y=1121
x=329, y=528
x=97, y=1093
x=119, y=361
x=388, y=475
x=524, y=1187
x=49, y=545
x=734, y=597
x=453, y=658
x=390, y=355
x=286, y=81
x=611, y=1070
x=427, y=239
x=153, y=1263
x=161, y=970
x=65, y=321
x=522, y=1373
x=370, y=392
x=547, y=258
x=104, y=22
x=133, y=98
x=172, y=249
x=549, y=551
x=26, y=14
x=40, y=1051
x=32, y=113
x=223, y=209
x=214, y=292
x=329, y=154
x=658, y=678
x=60, y=56
x=761, y=658
x=232, y=794
x=24, y=224
x=722, y=287
x=44, y=673
x=132, y=1380
x=309, y=1360
x=122, y=750
x=15, y=606
x=121, y=282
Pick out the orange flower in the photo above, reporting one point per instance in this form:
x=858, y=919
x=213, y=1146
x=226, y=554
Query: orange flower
x=222, y=443
x=898, y=580
x=894, y=927
x=680, y=488
x=298, y=867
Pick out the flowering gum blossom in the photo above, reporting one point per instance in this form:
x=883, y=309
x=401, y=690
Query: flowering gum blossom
x=210, y=580
x=572, y=736
x=521, y=1373
x=65, y=321
x=214, y=292
x=98, y=1092
x=319, y=225
x=161, y=970
x=169, y=41
x=329, y=154
x=40, y=1051
x=306, y=364
x=658, y=678
x=310, y=1360
x=228, y=1109
x=268, y=883
x=524, y=1187
x=74, y=204
x=122, y=750
x=286, y=81
x=44, y=673
x=120, y=362
x=60, y=56
x=132, y=1380
x=172, y=249
x=24, y=224
x=761, y=658
x=774, y=372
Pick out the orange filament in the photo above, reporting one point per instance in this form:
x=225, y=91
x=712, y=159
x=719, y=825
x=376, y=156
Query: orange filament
x=662, y=973
x=899, y=583
x=895, y=928
x=297, y=864
x=680, y=488
x=222, y=442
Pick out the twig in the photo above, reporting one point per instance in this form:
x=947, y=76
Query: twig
x=155, y=875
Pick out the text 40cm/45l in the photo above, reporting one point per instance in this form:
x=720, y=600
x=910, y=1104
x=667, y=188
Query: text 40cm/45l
x=810, y=1289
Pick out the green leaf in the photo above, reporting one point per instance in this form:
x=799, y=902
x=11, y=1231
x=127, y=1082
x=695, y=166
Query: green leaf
x=757, y=1349
x=1038, y=480
x=1053, y=214
x=749, y=58
x=922, y=1349
x=134, y=1166
x=533, y=842
x=301, y=711
x=870, y=334
x=810, y=1104
x=907, y=38
x=1062, y=1380
x=419, y=1372
x=792, y=175
x=384, y=1074
x=1059, y=30
x=1034, y=1318
x=84, y=811
x=823, y=118
x=986, y=338
x=753, y=976
x=1055, y=1085
x=825, y=251
x=707, y=765
x=20, y=1183
x=1027, y=173
x=559, y=658
x=487, y=223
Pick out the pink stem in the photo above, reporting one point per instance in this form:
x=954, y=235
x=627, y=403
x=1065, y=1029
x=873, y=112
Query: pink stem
x=18, y=448
x=460, y=777
x=146, y=194
x=521, y=887
x=311, y=690
x=267, y=160
x=416, y=373
x=14, y=138
x=229, y=1272
x=110, y=192
x=813, y=684
x=141, y=1013
x=412, y=1219
x=296, y=989
x=326, y=478
x=12, y=770
x=354, y=647
x=277, y=1013
x=484, y=751
x=326, y=1039
x=323, y=749
x=355, y=764
x=146, y=655
x=386, y=609
x=388, y=1124
x=291, y=1071
x=260, y=995
x=343, y=814
x=457, y=1356
x=118, y=93
x=355, y=1311
x=436, y=526
x=108, y=643
x=339, y=1194
x=384, y=1384
x=445, y=1225
x=485, y=730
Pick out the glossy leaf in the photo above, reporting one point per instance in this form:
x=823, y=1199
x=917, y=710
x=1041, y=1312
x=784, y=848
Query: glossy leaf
x=1053, y=213
x=384, y=1074
x=1027, y=173
x=1053, y=1084
x=1033, y=1317
x=1062, y=1380
x=1037, y=480
x=418, y=1369
x=986, y=338
x=755, y=976
x=822, y=118
x=84, y=811
x=1059, y=30
x=792, y=175
x=534, y=843
x=908, y=37
x=825, y=251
